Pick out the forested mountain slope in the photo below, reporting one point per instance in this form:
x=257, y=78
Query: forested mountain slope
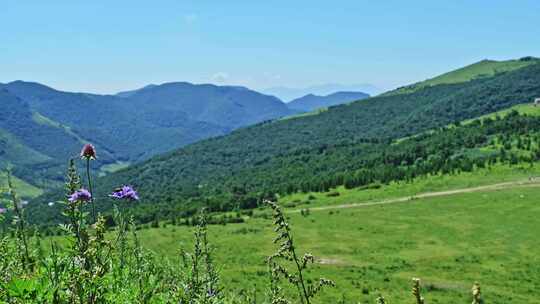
x=125, y=129
x=34, y=149
x=320, y=151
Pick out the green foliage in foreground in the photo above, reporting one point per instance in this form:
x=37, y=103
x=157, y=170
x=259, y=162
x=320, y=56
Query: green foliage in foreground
x=91, y=269
x=449, y=241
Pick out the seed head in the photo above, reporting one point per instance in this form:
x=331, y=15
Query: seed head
x=477, y=294
x=88, y=152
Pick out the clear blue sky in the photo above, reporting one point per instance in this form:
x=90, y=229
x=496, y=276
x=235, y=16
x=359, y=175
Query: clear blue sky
x=110, y=45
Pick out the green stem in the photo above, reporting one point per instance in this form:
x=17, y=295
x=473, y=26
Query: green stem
x=302, y=290
x=90, y=189
x=300, y=276
x=18, y=211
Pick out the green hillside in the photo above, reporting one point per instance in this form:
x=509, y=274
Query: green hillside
x=524, y=109
x=346, y=145
x=18, y=155
x=45, y=121
x=11, y=148
x=24, y=189
x=482, y=69
x=35, y=147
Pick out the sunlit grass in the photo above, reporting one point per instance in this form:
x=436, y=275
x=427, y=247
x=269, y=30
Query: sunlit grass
x=450, y=242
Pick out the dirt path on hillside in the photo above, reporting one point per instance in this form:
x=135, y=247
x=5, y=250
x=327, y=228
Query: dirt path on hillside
x=533, y=182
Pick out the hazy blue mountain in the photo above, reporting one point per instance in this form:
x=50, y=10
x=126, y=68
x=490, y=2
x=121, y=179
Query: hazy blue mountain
x=132, y=92
x=313, y=102
x=287, y=94
x=227, y=106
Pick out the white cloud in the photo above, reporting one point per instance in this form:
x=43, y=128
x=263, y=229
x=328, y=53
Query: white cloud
x=220, y=77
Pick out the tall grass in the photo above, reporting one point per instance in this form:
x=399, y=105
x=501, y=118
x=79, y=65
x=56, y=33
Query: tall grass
x=93, y=268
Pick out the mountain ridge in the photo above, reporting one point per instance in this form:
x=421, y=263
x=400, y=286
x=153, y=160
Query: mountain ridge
x=287, y=94
x=482, y=68
x=312, y=102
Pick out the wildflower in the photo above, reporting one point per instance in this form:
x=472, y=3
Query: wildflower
x=125, y=192
x=381, y=300
x=88, y=152
x=477, y=294
x=3, y=210
x=416, y=291
x=81, y=195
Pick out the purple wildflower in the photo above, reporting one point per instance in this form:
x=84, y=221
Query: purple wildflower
x=3, y=210
x=88, y=152
x=125, y=192
x=81, y=195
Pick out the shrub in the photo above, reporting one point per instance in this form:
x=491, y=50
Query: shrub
x=332, y=194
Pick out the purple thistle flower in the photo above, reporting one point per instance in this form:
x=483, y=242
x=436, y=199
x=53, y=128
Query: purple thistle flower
x=81, y=195
x=3, y=210
x=125, y=192
x=88, y=152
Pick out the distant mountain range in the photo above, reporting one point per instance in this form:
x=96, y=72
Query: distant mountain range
x=40, y=127
x=288, y=94
x=229, y=107
x=130, y=93
x=313, y=102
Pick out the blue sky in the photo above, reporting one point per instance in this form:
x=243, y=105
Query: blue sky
x=105, y=46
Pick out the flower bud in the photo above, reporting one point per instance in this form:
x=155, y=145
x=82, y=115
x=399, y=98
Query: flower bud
x=88, y=152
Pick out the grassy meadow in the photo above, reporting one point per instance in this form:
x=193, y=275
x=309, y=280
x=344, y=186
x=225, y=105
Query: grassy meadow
x=449, y=241
x=482, y=69
x=526, y=108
